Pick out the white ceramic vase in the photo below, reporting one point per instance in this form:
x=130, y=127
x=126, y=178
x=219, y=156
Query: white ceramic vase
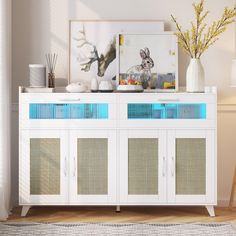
x=195, y=77
x=94, y=85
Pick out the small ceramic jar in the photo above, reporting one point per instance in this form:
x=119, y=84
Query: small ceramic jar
x=94, y=85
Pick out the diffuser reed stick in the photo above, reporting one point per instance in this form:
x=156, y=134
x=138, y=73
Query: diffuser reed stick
x=51, y=63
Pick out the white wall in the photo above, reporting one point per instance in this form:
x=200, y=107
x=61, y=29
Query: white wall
x=42, y=26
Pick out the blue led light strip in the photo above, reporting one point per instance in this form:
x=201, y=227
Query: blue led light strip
x=166, y=111
x=68, y=111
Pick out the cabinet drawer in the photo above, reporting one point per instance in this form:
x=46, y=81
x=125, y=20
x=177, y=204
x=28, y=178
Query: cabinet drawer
x=166, y=111
x=68, y=115
x=147, y=111
x=53, y=111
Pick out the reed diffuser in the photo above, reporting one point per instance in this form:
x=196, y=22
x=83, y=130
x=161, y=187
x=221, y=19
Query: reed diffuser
x=51, y=62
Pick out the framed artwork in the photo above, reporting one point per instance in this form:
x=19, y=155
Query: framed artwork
x=93, y=46
x=150, y=60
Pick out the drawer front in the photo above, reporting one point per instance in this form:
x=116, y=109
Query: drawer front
x=82, y=111
x=72, y=112
x=168, y=111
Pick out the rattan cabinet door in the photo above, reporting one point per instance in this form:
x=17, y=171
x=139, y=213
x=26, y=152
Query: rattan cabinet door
x=43, y=167
x=192, y=166
x=142, y=167
x=93, y=165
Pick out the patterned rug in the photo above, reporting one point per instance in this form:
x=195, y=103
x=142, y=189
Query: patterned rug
x=98, y=229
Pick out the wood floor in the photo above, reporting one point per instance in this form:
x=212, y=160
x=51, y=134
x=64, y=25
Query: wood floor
x=127, y=215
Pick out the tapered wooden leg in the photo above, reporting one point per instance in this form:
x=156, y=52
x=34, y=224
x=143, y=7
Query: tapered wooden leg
x=25, y=210
x=211, y=211
x=117, y=209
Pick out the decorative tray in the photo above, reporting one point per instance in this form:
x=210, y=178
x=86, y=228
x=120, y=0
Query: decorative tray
x=130, y=88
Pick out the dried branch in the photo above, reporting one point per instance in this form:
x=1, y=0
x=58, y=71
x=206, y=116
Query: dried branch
x=197, y=40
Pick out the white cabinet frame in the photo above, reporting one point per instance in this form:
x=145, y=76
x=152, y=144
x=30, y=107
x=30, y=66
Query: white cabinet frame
x=117, y=129
x=108, y=199
x=24, y=182
x=209, y=197
x=125, y=198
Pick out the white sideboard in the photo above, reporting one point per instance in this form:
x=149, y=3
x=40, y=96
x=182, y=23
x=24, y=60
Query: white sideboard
x=118, y=149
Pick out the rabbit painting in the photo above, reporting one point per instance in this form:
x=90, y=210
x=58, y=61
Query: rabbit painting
x=142, y=72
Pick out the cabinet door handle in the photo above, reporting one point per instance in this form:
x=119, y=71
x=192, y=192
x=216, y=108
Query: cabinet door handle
x=65, y=167
x=168, y=100
x=70, y=100
x=173, y=167
x=164, y=167
x=74, y=167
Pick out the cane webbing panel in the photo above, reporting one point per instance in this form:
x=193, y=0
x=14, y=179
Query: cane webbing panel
x=191, y=166
x=92, y=166
x=143, y=166
x=44, y=166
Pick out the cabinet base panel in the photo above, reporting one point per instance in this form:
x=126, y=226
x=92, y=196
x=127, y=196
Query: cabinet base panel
x=211, y=211
x=25, y=210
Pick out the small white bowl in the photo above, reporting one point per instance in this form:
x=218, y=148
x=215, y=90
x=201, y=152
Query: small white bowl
x=77, y=88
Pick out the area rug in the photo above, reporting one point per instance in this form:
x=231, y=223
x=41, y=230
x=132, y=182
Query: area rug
x=47, y=229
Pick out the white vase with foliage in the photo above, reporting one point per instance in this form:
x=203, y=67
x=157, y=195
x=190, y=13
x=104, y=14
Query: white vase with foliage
x=198, y=39
x=195, y=76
